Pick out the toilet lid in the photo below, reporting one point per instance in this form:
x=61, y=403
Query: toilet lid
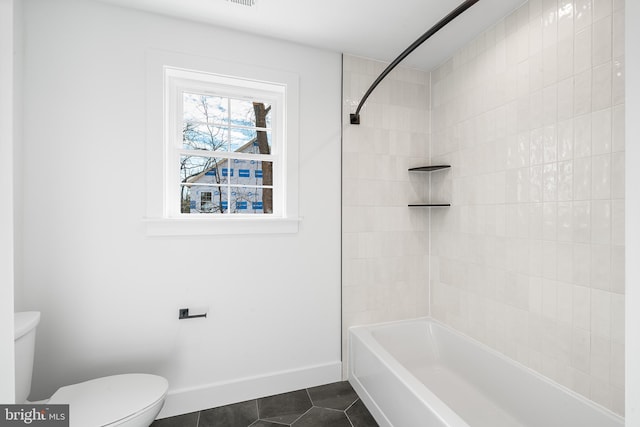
x=106, y=400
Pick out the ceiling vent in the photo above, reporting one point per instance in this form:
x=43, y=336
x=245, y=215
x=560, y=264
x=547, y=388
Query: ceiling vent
x=244, y=2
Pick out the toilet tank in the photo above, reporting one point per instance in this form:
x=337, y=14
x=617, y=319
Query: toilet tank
x=25, y=324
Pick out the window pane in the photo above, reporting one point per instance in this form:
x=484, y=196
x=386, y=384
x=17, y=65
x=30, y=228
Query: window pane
x=185, y=200
x=204, y=108
x=250, y=113
x=250, y=141
x=251, y=200
x=204, y=170
x=204, y=137
x=234, y=170
x=200, y=199
x=264, y=173
x=252, y=172
x=211, y=200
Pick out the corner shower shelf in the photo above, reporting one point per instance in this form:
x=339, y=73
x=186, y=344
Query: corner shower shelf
x=429, y=169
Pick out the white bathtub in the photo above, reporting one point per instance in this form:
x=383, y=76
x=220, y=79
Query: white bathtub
x=420, y=373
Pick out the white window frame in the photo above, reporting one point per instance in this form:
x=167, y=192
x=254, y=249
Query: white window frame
x=167, y=71
x=177, y=82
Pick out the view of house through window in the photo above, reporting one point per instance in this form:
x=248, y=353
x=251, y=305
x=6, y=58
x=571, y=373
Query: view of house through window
x=225, y=158
x=225, y=146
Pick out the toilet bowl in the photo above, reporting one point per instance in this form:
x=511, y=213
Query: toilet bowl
x=131, y=400
x=128, y=400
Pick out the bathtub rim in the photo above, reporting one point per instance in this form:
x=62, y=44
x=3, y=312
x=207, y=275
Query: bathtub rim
x=364, y=333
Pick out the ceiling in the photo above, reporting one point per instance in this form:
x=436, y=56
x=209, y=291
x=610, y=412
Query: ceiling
x=374, y=29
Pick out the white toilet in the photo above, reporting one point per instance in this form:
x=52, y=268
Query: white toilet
x=130, y=400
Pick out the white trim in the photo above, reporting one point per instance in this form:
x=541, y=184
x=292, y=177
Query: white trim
x=632, y=202
x=7, y=141
x=159, y=221
x=235, y=224
x=182, y=401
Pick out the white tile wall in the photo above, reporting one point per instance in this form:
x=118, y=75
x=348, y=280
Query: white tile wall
x=385, y=244
x=534, y=266
x=530, y=256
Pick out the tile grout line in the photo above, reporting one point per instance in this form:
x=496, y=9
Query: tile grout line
x=350, y=406
x=301, y=415
x=353, y=403
x=348, y=419
x=257, y=413
x=307, y=411
x=309, y=396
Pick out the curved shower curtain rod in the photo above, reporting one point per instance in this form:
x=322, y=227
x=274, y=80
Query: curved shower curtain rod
x=355, y=117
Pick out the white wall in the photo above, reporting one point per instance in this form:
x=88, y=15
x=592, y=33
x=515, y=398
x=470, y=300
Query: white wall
x=7, y=392
x=633, y=213
x=109, y=294
x=530, y=257
x=18, y=55
x=384, y=243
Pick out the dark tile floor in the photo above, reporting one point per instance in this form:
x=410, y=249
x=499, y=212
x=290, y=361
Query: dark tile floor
x=331, y=405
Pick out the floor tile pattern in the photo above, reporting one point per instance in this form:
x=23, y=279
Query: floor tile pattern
x=331, y=405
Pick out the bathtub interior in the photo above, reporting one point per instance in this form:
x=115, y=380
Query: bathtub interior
x=480, y=385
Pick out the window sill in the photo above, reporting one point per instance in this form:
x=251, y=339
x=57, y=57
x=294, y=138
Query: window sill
x=219, y=226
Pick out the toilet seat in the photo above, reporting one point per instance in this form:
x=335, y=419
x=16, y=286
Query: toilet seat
x=108, y=400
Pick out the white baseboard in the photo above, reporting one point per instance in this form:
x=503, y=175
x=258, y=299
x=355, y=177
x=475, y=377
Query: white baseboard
x=183, y=401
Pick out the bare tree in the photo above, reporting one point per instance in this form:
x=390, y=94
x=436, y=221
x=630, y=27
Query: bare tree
x=201, y=135
x=263, y=146
x=204, y=134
